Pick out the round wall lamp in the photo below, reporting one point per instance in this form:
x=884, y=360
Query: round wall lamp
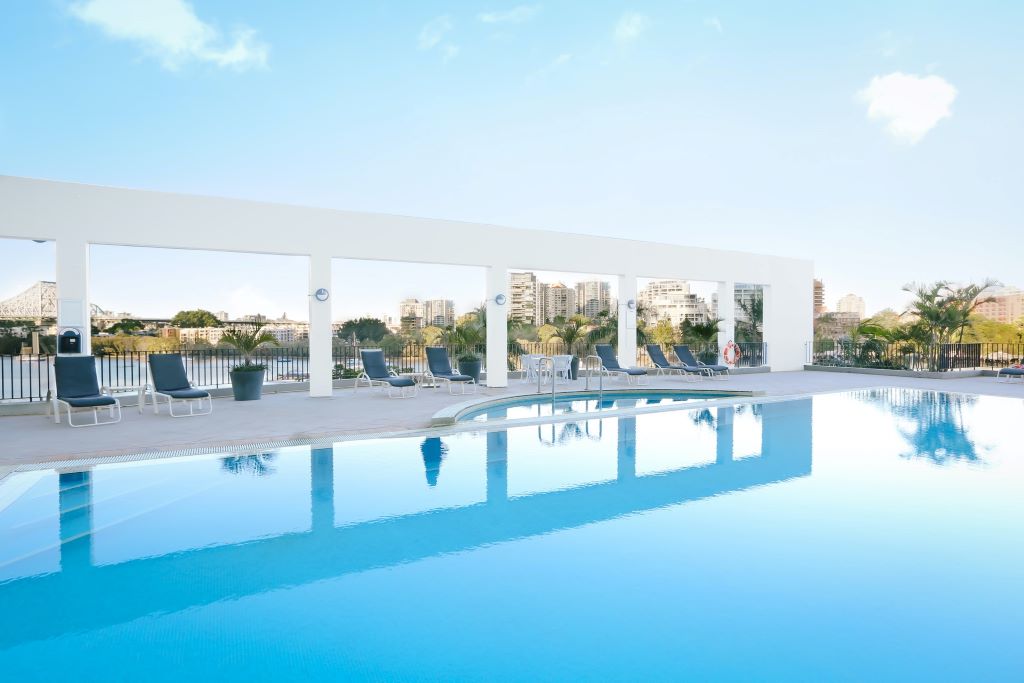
x=500, y=299
x=631, y=304
x=322, y=294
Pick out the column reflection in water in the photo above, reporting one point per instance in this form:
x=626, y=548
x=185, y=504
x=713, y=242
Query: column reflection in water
x=322, y=487
x=75, y=519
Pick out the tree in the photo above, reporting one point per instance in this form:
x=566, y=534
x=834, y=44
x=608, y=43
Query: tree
x=572, y=335
x=247, y=340
x=663, y=334
x=126, y=326
x=431, y=335
x=748, y=328
x=364, y=329
x=700, y=333
x=195, y=318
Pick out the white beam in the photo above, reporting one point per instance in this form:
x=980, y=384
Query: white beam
x=726, y=312
x=320, y=333
x=497, y=327
x=73, y=288
x=627, y=321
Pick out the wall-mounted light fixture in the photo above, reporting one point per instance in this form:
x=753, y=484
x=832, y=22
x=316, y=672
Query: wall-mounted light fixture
x=321, y=294
x=500, y=299
x=631, y=304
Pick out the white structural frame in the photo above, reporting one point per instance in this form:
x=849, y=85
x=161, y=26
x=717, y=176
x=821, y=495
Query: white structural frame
x=195, y=405
x=77, y=216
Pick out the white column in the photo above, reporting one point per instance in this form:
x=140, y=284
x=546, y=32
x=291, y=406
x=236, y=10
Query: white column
x=320, y=333
x=768, y=321
x=73, y=289
x=726, y=312
x=627, y=321
x=497, y=327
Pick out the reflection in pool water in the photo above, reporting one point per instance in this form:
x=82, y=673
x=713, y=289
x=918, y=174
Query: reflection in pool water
x=541, y=405
x=627, y=548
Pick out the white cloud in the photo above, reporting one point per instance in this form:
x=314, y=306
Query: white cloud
x=556, y=63
x=432, y=35
x=449, y=51
x=910, y=105
x=434, y=30
x=630, y=26
x=714, y=23
x=170, y=31
x=516, y=15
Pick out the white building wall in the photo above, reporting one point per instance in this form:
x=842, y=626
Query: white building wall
x=78, y=215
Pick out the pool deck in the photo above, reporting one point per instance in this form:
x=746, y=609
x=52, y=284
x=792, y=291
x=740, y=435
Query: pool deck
x=33, y=439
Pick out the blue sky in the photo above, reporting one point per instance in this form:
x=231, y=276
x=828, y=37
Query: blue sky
x=882, y=140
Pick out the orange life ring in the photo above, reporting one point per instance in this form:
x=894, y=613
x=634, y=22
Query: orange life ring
x=731, y=353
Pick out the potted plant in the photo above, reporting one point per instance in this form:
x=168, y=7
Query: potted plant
x=247, y=377
x=469, y=364
x=463, y=339
x=573, y=337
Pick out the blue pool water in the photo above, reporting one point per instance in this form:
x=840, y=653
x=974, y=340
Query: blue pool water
x=580, y=403
x=866, y=536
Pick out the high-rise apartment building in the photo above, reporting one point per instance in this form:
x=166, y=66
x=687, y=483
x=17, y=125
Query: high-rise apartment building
x=593, y=297
x=524, y=293
x=1006, y=305
x=558, y=301
x=819, y=298
x=439, y=312
x=672, y=300
x=411, y=312
x=744, y=296
x=851, y=304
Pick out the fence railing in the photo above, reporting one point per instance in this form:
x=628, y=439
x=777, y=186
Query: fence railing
x=875, y=353
x=27, y=378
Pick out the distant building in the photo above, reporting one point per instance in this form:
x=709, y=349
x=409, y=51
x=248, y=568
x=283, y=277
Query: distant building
x=744, y=296
x=558, y=301
x=411, y=312
x=819, y=298
x=672, y=300
x=222, y=316
x=1007, y=305
x=593, y=297
x=191, y=335
x=851, y=304
x=524, y=293
x=439, y=312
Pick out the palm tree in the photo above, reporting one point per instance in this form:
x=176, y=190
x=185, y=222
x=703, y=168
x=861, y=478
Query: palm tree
x=606, y=328
x=748, y=329
x=247, y=341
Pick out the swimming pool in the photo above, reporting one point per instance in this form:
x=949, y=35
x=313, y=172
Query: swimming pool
x=864, y=536
x=579, y=403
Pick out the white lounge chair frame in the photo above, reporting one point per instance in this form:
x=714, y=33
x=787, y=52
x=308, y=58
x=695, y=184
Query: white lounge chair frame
x=403, y=392
x=56, y=403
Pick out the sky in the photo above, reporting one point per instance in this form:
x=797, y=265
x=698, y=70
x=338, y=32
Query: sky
x=881, y=140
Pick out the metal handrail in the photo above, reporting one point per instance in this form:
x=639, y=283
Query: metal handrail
x=600, y=376
x=540, y=373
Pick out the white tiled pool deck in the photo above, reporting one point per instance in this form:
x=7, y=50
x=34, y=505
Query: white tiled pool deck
x=295, y=416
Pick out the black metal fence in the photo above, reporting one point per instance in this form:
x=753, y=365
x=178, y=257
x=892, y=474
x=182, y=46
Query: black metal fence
x=751, y=354
x=27, y=378
x=875, y=353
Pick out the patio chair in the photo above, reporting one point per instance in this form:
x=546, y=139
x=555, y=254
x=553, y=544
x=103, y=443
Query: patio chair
x=169, y=381
x=561, y=366
x=685, y=357
x=376, y=374
x=662, y=366
x=610, y=366
x=75, y=385
x=530, y=363
x=1007, y=374
x=440, y=369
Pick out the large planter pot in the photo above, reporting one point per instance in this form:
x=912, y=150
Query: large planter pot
x=471, y=368
x=574, y=368
x=247, y=385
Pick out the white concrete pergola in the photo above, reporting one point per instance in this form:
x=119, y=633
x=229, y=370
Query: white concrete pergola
x=75, y=216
